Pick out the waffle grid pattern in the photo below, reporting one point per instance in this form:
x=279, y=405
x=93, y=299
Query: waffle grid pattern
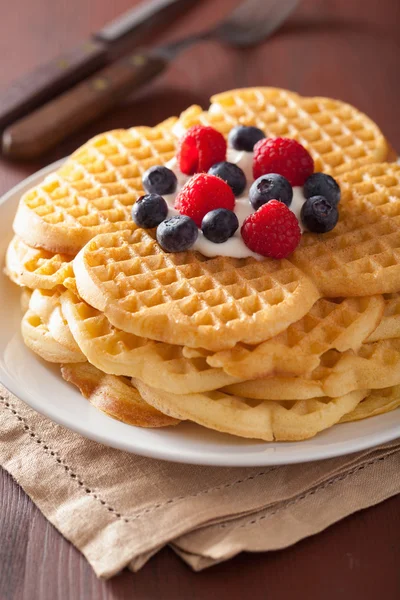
x=329, y=324
x=359, y=259
x=119, y=353
x=95, y=190
x=36, y=268
x=212, y=303
x=336, y=134
x=374, y=366
x=376, y=187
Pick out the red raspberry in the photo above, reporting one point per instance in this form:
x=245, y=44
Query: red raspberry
x=203, y=193
x=200, y=148
x=285, y=157
x=272, y=230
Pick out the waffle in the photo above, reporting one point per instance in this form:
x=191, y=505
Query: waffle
x=337, y=135
x=37, y=338
x=374, y=366
x=265, y=420
x=373, y=187
x=389, y=327
x=116, y=352
x=358, y=258
x=35, y=267
x=377, y=403
x=114, y=396
x=94, y=190
x=186, y=298
x=127, y=276
x=342, y=325
x=45, y=331
x=46, y=305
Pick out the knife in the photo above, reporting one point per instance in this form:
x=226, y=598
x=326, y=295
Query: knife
x=48, y=80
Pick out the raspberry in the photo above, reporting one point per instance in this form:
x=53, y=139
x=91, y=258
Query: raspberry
x=272, y=230
x=203, y=193
x=200, y=148
x=283, y=156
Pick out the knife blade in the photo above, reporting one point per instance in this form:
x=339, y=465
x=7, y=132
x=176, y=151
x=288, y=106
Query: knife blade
x=48, y=80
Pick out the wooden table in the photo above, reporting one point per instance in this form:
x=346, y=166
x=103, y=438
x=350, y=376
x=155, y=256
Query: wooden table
x=342, y=49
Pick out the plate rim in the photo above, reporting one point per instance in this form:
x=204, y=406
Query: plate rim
x=268, y=456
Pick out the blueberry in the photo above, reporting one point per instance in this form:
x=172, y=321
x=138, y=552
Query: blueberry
x=244, y=138
x=177, y=233
x=319, y=215
x=232, y=174
x=149, y=210
x=320, y=184
x=270, y=187
x=159, y=180
x=219, y=225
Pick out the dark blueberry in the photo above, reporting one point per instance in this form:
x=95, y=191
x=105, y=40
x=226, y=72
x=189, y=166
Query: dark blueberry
x=219, y=225
x=319, y=215
x=270, y=187
x=244, y=138
x=159, y=180
x=232, y=174
x=177, y=233
x=320, y=184
x=149, y=210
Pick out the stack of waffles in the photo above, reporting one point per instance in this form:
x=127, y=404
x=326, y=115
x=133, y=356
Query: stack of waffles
x=271, y=349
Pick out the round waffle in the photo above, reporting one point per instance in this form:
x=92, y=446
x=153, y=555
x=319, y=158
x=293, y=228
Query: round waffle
x=94, y=190
x=341, y=324
x=338, y=136
x=374, y=366
x=186, y=298
x=45, y=331
x=263, y=420
x=35, y=267
x=116, y=352
x=114, y=396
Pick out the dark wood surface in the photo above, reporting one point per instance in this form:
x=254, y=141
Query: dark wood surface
x=339, y=48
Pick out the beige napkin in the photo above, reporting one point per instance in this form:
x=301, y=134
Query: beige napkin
x=119, y=509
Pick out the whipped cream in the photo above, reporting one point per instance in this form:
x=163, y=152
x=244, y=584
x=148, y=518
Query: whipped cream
x=234, y=246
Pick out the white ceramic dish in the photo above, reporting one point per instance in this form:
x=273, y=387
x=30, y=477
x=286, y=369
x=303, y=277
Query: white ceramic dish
x=41, y=386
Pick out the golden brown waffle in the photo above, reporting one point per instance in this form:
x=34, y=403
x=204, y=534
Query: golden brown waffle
x=358, y=258
x=251, y=418
x=35, y=267
x=45, y=331
x=360, y=255
x=37, y=338
x=342, y=325
x=186, y=298
x=114, y=396
x=389, y=327
x=136, y=284
x=377, y=402
x=94, y=190
x=116, y=352
x=373, y=187
x=374, y=366
x=338, y=136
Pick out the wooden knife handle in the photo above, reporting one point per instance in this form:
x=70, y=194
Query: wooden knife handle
x=43, y=83
x=41, y=130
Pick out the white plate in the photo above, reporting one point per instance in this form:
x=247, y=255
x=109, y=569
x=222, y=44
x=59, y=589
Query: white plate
x=41, y=386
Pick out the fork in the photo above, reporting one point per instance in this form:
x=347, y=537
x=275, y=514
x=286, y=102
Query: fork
x=249, y=24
